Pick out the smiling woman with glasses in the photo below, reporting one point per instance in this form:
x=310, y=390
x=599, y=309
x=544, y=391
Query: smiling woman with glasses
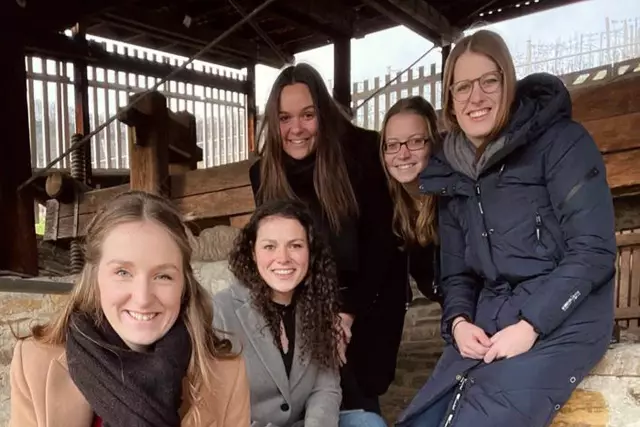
x=409, y=132
x=526, y=227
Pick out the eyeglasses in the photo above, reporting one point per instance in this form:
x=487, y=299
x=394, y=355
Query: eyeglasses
x=413, y=144
x=489, y=83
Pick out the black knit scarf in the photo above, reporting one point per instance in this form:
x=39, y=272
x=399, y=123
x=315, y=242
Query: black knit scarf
x=127, y=388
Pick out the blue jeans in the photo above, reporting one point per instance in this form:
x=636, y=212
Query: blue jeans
x=434, y=414
x=360, y=418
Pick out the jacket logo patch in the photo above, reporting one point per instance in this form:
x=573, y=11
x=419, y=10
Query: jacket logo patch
x=571, y=300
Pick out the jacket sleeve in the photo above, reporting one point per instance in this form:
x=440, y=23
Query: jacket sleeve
x=322, y=408
x=581, y=198
x=239, y=409
x=22, y=409
x=459, y=285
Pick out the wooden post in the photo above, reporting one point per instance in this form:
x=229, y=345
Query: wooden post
x=251, y=109
x=148, y=146
x=342, y=71
x=19, y=248
x=446, y=51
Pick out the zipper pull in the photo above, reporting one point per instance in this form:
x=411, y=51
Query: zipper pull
x=479, y=201
x=538, y=225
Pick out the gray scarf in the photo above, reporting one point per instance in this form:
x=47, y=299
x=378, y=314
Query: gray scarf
x=461, y=154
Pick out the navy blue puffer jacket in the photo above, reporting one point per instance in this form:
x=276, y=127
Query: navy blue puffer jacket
x=531, y=238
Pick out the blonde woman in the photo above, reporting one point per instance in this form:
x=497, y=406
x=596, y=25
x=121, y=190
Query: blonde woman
x=409, y=136
x=134, y=344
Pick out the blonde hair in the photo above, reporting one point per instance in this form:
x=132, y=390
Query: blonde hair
x=413, y=221
x=493, y=46
x=197, y=314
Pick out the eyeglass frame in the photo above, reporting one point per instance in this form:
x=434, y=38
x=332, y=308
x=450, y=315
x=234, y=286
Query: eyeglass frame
x=498, y=74
x=425, y=141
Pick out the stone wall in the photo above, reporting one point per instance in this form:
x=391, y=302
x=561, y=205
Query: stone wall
x=420, y=349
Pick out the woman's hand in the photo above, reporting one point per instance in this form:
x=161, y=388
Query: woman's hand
x=511, y=341
x=346, y=321
x=471, y=340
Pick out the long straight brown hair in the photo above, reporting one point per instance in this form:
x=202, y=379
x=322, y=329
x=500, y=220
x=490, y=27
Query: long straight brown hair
x=493, y=46
x=414, y=221
x=331, y=179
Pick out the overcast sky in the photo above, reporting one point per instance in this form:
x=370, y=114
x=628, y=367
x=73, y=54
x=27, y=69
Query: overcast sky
x=400, y=46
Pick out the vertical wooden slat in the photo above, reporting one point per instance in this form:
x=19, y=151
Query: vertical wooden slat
x=634, y=294
x=60, y=106
x=376, y=105
x=32, y=115
x=367, y=106
x=227, y=136
x=66, y=117
x=234, y=130
x=206, y=133
x=625, y=270
x=218, y=131
x=107, y=130
x=45, y=116
x=96, y=120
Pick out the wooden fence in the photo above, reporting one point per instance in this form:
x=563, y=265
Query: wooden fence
x=220, y=115
x=627, y=297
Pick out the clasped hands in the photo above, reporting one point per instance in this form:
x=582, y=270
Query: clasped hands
x=474, y=343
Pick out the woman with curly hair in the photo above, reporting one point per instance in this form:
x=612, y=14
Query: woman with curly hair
x=283, y=312
x=134, y=343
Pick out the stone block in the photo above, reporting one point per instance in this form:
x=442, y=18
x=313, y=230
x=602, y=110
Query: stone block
x=610, y=395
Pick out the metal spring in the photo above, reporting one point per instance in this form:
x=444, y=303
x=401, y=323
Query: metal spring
x=77, y=257
x=78, y=171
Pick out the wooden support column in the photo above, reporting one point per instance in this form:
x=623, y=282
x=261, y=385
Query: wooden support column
x=81, y=91
x=19, y=248
x=446, y=51
x=148, y=147
x=252, y=109
x=342, y=71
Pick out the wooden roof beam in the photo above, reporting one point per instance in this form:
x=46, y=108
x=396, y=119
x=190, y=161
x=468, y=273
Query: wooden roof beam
x=59, y=46
x=156, y=25
x=494, y=11
x=420, y=17
x=297, y=17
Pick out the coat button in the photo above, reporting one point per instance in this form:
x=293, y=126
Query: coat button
x=572, y=380
x=421, y=187
x=484, y=234
x=557, y=407
x=284, y=407
x=458, y=377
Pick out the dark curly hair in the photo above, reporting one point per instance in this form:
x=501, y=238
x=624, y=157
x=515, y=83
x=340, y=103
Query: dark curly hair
x=316, y=297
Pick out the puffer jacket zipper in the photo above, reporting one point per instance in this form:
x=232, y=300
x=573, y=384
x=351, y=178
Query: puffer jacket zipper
x=454, y=406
